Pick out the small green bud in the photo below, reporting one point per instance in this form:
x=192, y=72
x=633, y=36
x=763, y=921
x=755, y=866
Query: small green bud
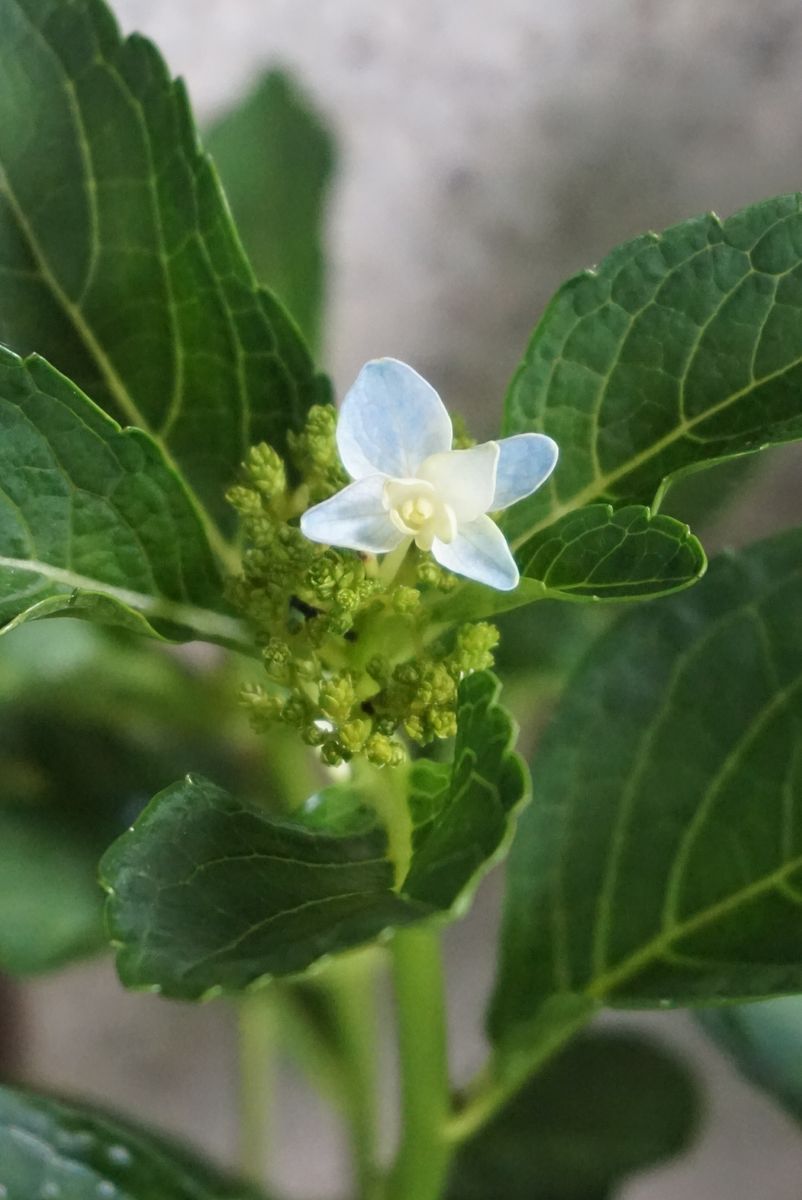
x=266, y=470
x=246, y=500
x=406, y=600
x=277, y=655
x=474, y=648
x=462, y=438
x=383, y=751
x=337, y=696
x=295, y=711
x=378, y=668
x=354, y=734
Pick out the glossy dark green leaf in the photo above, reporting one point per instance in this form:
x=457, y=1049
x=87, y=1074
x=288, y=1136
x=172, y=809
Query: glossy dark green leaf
x=678, y=350
x=662, y=861
x=209, y=894
x=118, y=259
x=94, y=522
x=82, y=748
x=610, y=1104
x=276, y=159
x=765, y=1042
x=52, y=1148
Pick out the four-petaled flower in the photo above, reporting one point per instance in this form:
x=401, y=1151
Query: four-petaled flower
x=394, y=437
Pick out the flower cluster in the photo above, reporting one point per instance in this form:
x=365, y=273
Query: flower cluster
x=350, y=657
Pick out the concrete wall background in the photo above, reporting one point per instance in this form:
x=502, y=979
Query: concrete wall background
x=487, y=151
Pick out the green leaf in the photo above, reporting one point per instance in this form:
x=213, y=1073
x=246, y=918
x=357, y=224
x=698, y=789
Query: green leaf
x=93, y=521
x=595, y=553
x=118, y=258
x=608, y=1105
x=549, y=641
x=81, y=750
x=662, y=862
x=678, y=350
x=54, y=1148
x=209, y=895
x=765, y=1042
x=276, y=160
x=601, y=554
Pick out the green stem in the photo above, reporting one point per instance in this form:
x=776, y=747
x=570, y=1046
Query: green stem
x=351, y=986
x=496, y=1085
x=420, y=1169
x=257, y=1042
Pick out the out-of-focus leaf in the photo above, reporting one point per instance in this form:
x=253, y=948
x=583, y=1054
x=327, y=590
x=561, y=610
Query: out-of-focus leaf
x=608, y=1105
x=51, y=1148
x=84, y=742
x=276, y=160
x=765, y=1042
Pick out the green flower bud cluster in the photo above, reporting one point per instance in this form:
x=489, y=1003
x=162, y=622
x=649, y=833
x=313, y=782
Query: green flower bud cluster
x=321, y=614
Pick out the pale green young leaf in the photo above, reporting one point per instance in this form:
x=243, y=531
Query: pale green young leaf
x=74, y=1152
x=276, y=159
x=93, y=521
x=208, y=894
x=118, y=258
x=662, y=861
x=680, y=349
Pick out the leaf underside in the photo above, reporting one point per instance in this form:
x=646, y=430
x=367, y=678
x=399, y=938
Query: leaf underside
x=118, y=258
x=207, y=894
x=662, y=861
x=678, y=350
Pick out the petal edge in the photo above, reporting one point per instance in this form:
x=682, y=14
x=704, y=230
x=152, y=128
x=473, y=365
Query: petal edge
x=480, y=552
x=525, y=463
x=390, y=420
x=354, y=518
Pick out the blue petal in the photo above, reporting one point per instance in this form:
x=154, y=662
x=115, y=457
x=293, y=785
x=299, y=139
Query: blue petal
x=355, y=518
x=480, y=552
x=390, y=421
x=524, y=463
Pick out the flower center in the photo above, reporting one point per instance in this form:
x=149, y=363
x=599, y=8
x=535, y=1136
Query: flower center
x=417, y=510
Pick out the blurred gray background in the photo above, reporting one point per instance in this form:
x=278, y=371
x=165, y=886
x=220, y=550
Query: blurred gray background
x=487, y=150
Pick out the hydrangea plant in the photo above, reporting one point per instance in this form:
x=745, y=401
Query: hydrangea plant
x=309, y=803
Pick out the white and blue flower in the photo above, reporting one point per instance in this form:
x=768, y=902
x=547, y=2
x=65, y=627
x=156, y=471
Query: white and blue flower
x=394, y=437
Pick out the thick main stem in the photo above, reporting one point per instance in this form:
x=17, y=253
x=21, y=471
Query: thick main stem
x=257, y=1038
x=421, y=1166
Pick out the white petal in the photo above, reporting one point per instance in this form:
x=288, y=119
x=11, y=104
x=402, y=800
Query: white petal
x=355, y=518
x=480, y=552
x=390, y=421
x=525, y=462
x=464, y=479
